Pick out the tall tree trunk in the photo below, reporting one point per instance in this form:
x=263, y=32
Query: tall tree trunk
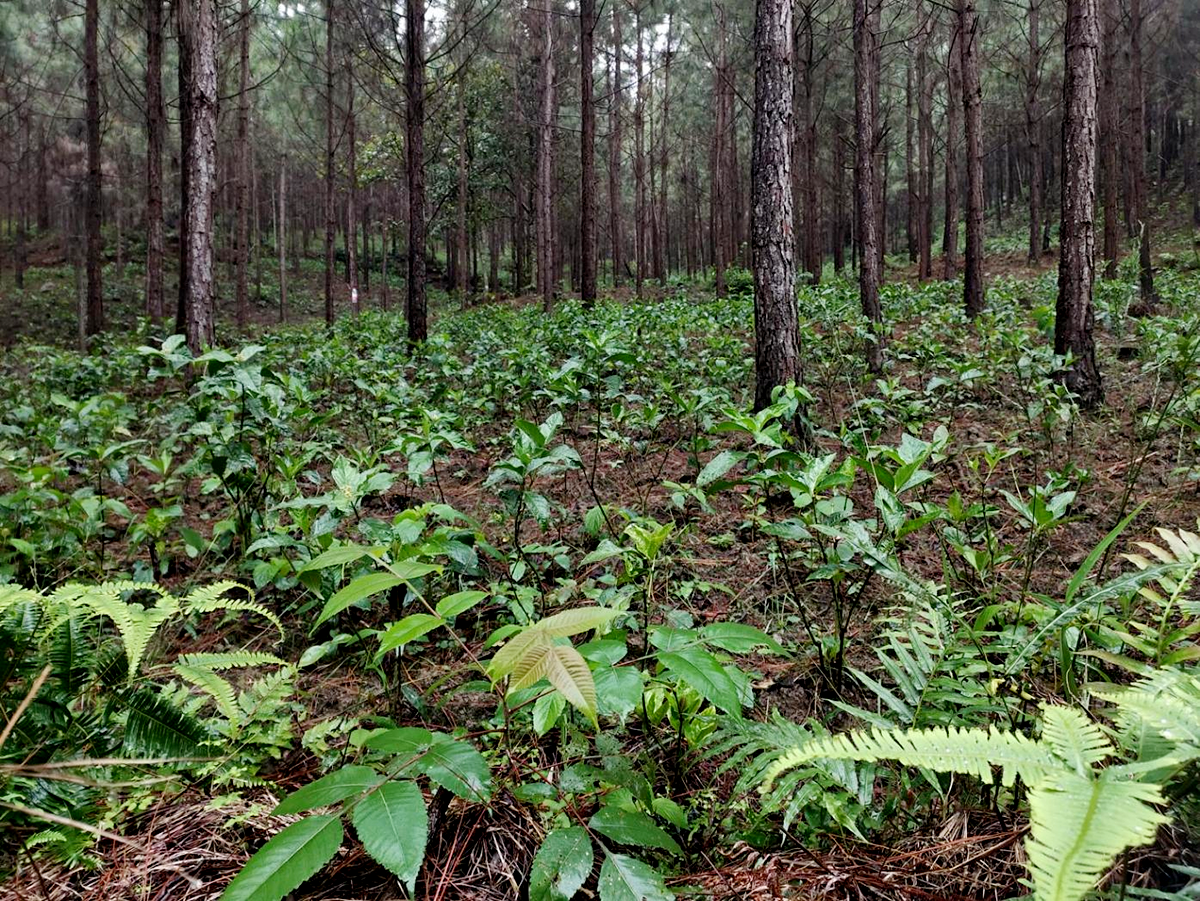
x=804, y=180
x=773, y=237
x=280, y=234
x=924, y=145
x=330, y=211
x=243, y=193
x=155, y=125
x=545, y=161
x=718, y=213
x=351, y=196
x=614, y=148
x=1033, y=133
x=663, y=230
x=973, y=123
x=839, y=195
x=91, y=66
x=1140, y=213
x=1076, y=266
x=587, y=152
x=463, y=187
x=414, y=86
x=912, y=192
x=200, y=32
x=639, y=156
x=866, y=48
x=953, y=108
x=185, y=168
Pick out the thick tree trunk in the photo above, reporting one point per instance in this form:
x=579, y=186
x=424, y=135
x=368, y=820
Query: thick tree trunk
x=973, y=126
x=866, y=48
x=545, y=162
x=587, y=153
x=91, y=66
x=243, y=192
x=953, y=108
x=1033, y=133
x=614, y=148
x=1076, y=267
x=155, y=126
x=414, y=86
x=773, y=238
x=200, y=32
x=330, y=138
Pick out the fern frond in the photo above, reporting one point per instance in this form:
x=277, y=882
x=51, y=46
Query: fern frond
x=12, y=595
x=973, y=752
x=1079, y=824
x=1073, y=738
x=1166, y=703
x=231, y=660
x=212, y=598
x=156, y=728
x=214, y=686
x=71, y=656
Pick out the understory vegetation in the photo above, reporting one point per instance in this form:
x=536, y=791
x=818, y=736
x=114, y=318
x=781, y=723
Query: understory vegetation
x=542, y=607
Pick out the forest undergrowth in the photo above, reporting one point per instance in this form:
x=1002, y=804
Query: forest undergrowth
x=543, y=607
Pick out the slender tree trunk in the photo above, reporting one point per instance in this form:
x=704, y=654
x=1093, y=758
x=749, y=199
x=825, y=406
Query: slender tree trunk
x=1076, y=267
x=330, y=144
x=973, y=122
x=155, y=125
x=200, y=32
x=461, y=267
x=773, y=237
x=839, y=201
x=924, y=145
x=545, y=161
x=719, y=215
x=866, y=47
x=1033, y=134
x=805, y=179
x=352, y=197
x=587, y=152
x=243, y=192
x=280, y=238
x=414, y=84
x=185, y=167
x=614, y=147
x=639, y=157
x=661, y=263
x=912, y=192
x=91, y=66
x=1137, y=115
x=953, y=108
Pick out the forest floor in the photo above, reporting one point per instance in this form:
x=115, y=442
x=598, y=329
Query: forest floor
x=647, y=393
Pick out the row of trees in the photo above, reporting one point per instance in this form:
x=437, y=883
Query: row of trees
x=478, y=142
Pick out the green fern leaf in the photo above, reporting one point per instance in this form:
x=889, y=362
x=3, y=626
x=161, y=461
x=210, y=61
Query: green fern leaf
x=1079, y=825
x=1072, y=737
x=155, y=727
x=214, y=686
x=231, y=660
x=212, y=598
x=973, y=752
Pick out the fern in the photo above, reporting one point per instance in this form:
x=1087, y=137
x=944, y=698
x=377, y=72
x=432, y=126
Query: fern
x=1081, y=817
x=212, y=598
x=214, y=686
x=156, y=727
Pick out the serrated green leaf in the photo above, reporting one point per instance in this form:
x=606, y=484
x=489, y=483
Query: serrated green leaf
x=458, y=767
x=625, y=878
x=701, y=670
x=632, y=827
x=393, y=826
x=561, y=866
x=337, y=786
x=285, y=862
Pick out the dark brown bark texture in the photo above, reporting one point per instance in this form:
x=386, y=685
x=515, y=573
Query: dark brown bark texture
x=973, y=127
x=414, y=87
x=773, y=240
x=200, y=32
x=91, y=66
x=155, y=126
x=1076, y=266
x=866, y=50
x=587, y=152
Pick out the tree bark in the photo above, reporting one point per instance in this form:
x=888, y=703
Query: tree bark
x=924, y=146
x=953, y=108
x=1033, y=134
x=351, y=197
x=155, y=126
x=243, y=192
x=91, y=66
x=912, y=192
x=639, y=157
x=330, y=212
x=1076, y=268
x=773, y=237
x=1139, y=211
x=805, y=178
x=545, y=161
x=280, y=234
x=414, y=85
x=200, y=32
x=462, y=264
x=614, y=148
x=718, y=214
x=662, y=256
x=866, y=48
x=973, y=124
x=587, y=152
